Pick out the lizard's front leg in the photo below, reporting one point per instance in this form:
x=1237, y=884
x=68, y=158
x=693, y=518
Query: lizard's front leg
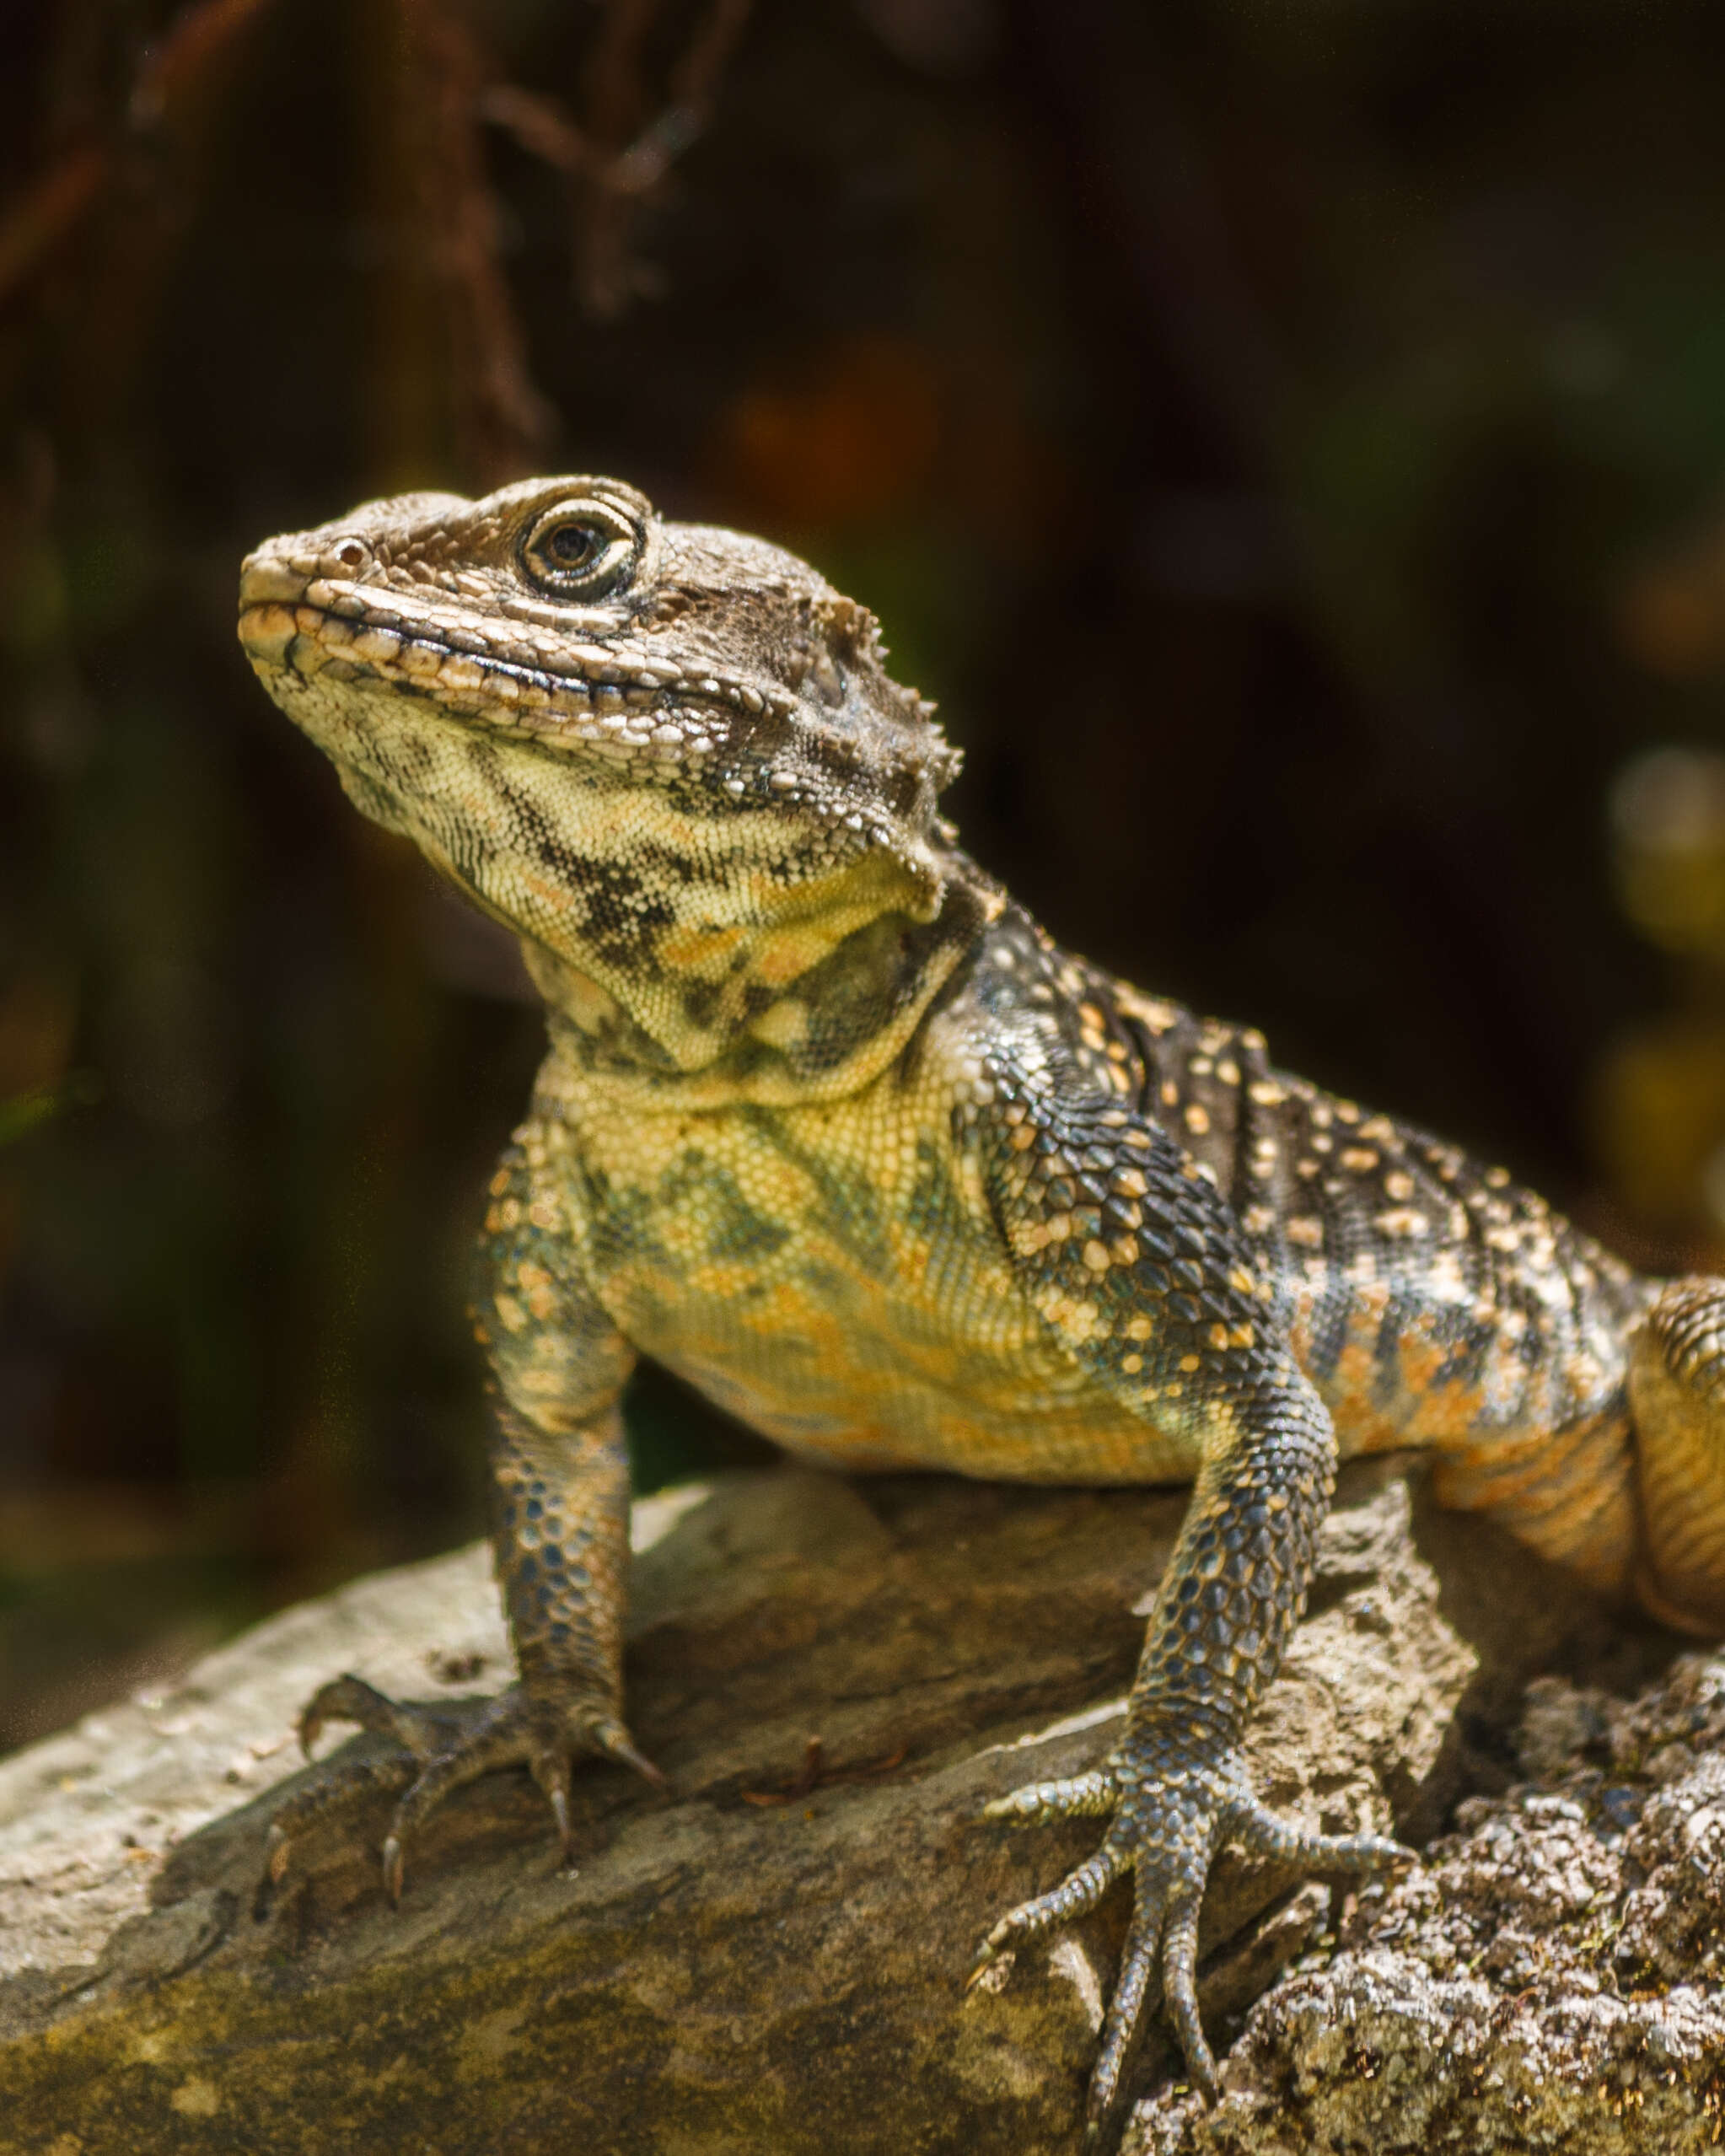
x=560, y=1488
x=1137, y=1262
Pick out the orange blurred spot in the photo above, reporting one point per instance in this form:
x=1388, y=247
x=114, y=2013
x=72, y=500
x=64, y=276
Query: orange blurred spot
x=856, y=438
x=1670, y=613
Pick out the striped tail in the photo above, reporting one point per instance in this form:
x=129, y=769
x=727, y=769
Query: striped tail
x=1677, y=1393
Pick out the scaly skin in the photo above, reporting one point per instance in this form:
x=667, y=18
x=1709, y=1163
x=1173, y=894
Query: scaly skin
x=832, y=1128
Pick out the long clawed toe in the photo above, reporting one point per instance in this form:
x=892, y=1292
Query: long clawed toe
x=1158, y=1967
x=1255, y=1830
x=1084, y=1796
x=613, y=1740
x=332, y=1794
x=1076, y=1895
x=419, y=1730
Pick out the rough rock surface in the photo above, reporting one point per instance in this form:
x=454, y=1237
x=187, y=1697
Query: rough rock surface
x=1553, y=1976
x=757, y=1963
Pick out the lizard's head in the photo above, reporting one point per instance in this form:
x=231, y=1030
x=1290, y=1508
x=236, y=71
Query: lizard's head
x=667, y=754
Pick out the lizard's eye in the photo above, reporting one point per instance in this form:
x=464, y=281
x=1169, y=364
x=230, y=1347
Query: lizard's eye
x=580, y=549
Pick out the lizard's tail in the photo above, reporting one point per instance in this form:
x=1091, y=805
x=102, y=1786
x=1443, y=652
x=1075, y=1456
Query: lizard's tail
x=1677, y=1393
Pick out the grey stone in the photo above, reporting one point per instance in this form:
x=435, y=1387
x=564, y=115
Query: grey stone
x=1550, y=1977
x=754, y=1963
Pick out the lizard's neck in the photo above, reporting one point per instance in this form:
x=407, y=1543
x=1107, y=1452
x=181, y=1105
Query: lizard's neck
x=813, y=1006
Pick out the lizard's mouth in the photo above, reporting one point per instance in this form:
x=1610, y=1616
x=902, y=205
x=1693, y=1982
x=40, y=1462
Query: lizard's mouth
x=343, y=650
x=639, y=719
x=627, y=711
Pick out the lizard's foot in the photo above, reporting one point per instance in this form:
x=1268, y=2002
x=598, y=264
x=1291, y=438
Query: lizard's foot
x=444, y=1746
x=1173, y=1802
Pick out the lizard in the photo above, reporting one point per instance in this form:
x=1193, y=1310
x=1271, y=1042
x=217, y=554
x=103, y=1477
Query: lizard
x=829, y=1126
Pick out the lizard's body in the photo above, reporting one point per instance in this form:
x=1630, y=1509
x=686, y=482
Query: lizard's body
x=830, y=1273
x=832, y=1128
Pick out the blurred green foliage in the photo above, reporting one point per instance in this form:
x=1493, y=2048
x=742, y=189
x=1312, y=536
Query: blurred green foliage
x=1290, y=441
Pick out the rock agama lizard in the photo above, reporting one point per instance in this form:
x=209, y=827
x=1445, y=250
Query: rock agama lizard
x=832, y=1129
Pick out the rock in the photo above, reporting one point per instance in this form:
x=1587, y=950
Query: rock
x=771, y=1959
x=1550, y=1978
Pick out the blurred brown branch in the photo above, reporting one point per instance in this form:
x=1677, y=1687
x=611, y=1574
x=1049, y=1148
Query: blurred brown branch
x=50, y=206
x=445, y=199
x=174, y=70
x=457, y=340
x=614, y=160
x=178, y=64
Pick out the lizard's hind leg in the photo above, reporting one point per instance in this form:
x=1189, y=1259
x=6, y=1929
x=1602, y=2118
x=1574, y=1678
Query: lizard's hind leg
x=1677, y=1392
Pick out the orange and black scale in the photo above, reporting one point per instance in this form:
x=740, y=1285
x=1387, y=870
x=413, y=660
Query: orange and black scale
x=1431, y=1301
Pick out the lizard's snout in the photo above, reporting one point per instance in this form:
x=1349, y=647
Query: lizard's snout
x=266, y=577
x=284, y=575
x=282, y=571
x=269, y=588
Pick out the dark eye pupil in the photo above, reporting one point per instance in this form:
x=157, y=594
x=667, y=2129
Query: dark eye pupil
x=571, y=546
x=577, y=550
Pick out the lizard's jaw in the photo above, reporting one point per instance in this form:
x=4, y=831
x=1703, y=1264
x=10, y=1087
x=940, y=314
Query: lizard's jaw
x=622, y=719
x=695, y=913
x=626, y=714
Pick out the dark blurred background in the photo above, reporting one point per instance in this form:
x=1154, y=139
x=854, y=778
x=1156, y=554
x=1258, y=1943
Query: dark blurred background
x=1289, y=440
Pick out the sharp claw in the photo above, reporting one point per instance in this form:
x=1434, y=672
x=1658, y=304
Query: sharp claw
x=277, y=1845
x=1200, y=2059
x=559, y=1811
x=979, y=1968
x=617, y=1744
x=311, y=1728
x=393, y=1868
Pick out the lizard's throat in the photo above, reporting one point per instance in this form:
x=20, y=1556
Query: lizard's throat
x=668, y=929
x=772, y=1016
x=694, y=963
x=671, y=940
